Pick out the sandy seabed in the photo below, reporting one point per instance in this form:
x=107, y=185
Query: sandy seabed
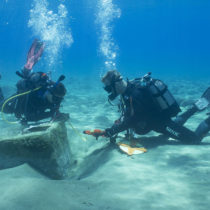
x=169, y=176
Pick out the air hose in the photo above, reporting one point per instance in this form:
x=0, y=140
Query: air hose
x=15, y=96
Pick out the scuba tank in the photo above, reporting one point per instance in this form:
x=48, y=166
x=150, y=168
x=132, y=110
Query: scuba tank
x=158, y=91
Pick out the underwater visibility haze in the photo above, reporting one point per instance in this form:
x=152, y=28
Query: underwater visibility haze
x=83, y=40
x=159, y=36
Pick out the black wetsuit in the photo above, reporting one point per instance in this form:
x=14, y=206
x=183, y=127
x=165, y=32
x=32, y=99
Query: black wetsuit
x=142, y=116
x=33, y=106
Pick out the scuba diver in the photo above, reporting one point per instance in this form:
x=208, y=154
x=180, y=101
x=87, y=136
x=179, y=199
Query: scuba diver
x=147, y=105
x=37, y=97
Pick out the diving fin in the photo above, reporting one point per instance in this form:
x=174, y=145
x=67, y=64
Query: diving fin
x=34, y=54
x=204, y=101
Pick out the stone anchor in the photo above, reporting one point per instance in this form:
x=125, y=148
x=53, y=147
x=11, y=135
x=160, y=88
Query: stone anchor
x=45, y=148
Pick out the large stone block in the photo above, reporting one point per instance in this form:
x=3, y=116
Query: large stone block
x=45, y=148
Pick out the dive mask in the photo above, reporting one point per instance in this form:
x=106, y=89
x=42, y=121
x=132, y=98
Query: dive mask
x=108, y=88
x=56, y=99
x=111, y=89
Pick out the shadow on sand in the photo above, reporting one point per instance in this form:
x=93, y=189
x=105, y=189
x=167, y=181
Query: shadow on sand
x=155, y=141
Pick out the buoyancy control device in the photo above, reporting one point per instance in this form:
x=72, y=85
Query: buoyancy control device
x=160, y=95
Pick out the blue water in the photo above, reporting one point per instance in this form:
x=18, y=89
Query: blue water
x=84, y=39
x=167, y=37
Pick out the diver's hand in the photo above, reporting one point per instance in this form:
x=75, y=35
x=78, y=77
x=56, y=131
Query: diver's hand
x=108, y=133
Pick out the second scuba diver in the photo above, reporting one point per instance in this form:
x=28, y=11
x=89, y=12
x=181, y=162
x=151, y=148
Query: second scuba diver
x=148, y=106
x=37, y=96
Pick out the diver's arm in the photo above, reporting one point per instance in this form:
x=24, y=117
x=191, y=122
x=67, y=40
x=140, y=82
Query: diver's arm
x=130, y=118
x=119, y=127
x=38, y=116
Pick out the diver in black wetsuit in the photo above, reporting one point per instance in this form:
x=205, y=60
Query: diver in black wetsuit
x=149, y=106
x=42, y=101
x=37, y=96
